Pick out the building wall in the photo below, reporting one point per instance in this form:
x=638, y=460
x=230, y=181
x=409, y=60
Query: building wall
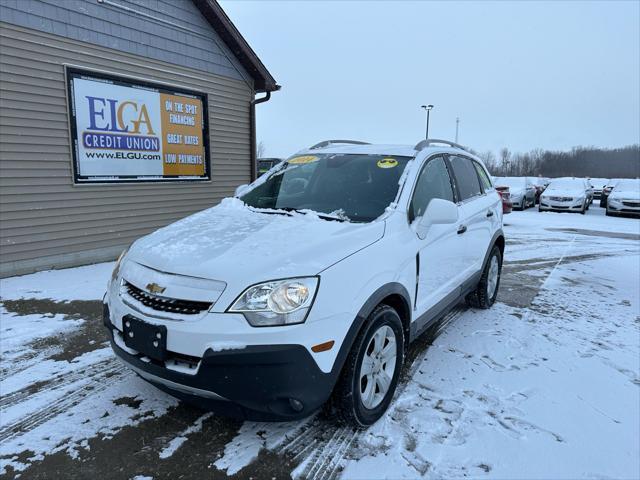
x=45, y=220
x=172, y=31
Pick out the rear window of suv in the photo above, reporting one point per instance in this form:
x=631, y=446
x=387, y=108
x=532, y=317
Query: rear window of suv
x=466, y=177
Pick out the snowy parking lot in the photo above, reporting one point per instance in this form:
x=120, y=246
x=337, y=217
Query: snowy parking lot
x=546, y=384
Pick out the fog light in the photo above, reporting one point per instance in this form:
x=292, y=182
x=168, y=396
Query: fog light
x=296, y=404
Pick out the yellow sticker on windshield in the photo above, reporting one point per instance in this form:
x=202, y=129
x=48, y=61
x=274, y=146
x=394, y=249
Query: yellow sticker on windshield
x=387, y=163
x=303, y=159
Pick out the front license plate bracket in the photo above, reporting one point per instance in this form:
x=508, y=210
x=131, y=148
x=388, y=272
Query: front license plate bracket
x=148, y=339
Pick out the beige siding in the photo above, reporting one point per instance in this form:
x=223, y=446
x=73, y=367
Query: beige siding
x=47, y=221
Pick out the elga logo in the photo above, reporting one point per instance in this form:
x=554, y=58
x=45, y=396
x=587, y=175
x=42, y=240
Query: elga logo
x=108, y=115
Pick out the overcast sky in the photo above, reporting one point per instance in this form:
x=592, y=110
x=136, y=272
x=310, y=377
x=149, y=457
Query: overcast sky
x=518, y=74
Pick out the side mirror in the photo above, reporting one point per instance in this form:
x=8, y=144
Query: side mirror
x=438, y=212
x=240, y=190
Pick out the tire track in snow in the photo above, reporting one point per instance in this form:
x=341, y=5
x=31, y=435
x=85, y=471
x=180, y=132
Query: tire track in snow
x=21, y=363
x=57, y=382
x=320, y=446
x=96, y=383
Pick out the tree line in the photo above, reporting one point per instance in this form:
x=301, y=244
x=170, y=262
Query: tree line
x=593, y=162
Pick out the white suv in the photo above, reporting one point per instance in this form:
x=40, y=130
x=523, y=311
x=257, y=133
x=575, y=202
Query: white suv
x=310, y=285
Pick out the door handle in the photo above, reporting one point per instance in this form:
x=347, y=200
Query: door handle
x=462, y=229
x=490, y=213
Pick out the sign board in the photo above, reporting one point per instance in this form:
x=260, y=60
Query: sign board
x=126, y=130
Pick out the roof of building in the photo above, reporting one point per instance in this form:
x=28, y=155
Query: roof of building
x=224, y=27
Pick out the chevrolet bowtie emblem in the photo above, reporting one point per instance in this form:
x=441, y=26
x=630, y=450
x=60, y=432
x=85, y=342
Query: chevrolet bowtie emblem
x=155, y=288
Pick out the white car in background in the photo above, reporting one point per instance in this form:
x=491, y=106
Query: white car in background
x=522, y=190
x=309, y=286
x=624, y=198
x=567, y=194
x=607, y=190
x=598, y=184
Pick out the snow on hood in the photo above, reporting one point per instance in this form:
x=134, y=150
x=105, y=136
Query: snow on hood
x=565, y=192
x=233, y=239
x=626, y=193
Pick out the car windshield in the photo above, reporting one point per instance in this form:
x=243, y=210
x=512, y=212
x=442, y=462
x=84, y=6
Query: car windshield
x=566, y=184
x=344, y=186
x=631, y=185
x=511, y=182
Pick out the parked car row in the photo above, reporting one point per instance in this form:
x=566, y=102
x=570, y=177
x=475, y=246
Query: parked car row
x=521, y=189
x=624, y=197
x=569, y=194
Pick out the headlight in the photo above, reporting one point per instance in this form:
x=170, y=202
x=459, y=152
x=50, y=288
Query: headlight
x=279, y=302
x=116, y=269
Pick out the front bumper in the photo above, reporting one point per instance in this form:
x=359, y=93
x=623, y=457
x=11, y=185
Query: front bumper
x=258, y=382
x=553, y=205
x=518, y=202
x=624, y=207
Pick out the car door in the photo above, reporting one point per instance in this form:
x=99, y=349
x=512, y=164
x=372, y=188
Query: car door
x=475, y=214
x=439, y=254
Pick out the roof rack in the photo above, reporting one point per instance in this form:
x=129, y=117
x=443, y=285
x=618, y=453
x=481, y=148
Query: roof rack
x=326, y=143
x=431, y=141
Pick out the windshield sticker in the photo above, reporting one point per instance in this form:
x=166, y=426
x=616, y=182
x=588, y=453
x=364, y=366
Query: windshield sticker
x=303, y=159
x=387, y=163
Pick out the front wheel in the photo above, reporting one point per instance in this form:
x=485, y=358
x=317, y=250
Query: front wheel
x=486, y=292
x=372, y=369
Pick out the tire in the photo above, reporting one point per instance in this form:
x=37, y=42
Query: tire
x=608, y=213
x=481, y=297
x=584, y=209
x=346, y=402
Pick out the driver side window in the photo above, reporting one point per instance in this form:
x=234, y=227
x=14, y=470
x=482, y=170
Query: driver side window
x=433, y=182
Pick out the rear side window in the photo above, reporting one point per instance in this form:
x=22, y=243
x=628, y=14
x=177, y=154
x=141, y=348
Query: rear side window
x=484, y=178
x=466, y=177
x=433, y=182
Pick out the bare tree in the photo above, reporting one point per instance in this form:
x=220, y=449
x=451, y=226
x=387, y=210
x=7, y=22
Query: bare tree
x=260, y=149
x=505, y=157
x=489, y=160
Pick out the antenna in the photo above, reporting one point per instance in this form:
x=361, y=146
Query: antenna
x=457, y=127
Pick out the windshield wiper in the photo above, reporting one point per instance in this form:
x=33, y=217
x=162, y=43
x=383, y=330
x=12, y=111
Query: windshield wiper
x=324, y=216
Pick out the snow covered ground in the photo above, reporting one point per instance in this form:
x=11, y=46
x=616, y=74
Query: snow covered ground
x=544, y=385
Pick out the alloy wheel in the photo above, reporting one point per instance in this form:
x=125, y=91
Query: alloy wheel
x=378, y=367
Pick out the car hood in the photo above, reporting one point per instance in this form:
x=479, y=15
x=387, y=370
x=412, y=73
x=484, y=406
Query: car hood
x=561, y=192
x=630, y=194
x=231, y=241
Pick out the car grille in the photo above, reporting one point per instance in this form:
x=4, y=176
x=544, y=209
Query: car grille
x=165, y=304
x=561, y=199
x=631, y=203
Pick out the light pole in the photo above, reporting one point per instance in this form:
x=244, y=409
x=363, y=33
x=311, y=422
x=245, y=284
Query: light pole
x=428, y=109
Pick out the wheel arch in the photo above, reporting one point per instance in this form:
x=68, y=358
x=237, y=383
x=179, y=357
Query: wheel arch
x=393, y=294
x=499, y=240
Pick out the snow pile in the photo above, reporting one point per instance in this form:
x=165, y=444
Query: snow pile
x=81, y=283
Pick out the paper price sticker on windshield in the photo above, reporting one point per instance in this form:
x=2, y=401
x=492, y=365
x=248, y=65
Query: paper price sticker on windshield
x=387, y=163
x=303, y=159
